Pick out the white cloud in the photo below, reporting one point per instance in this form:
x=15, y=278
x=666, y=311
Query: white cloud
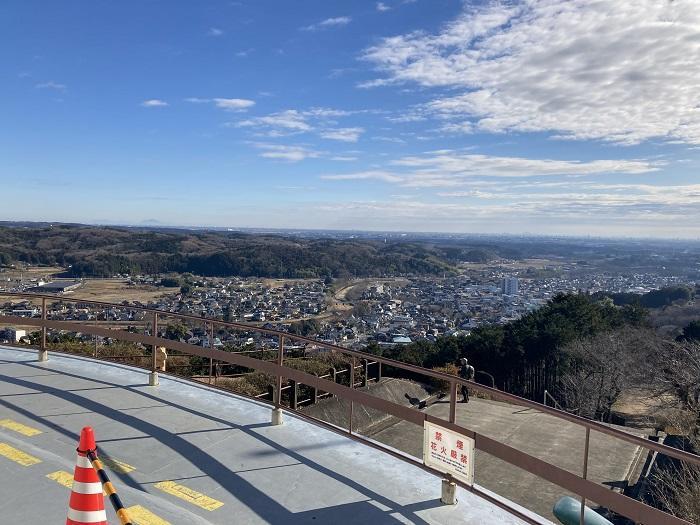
x=286, y=152
x=447, y=168
x=393, y=140
x=328, y=22
x=344, y=158
x=215, y=31
x=294, y=121
x=384, y=176
x=289, y=120
x=51, y=85
x=342, y=134
x=622, y=71
x=233, y=104
x=154, y=103
x=381, y=6
x=228, y=104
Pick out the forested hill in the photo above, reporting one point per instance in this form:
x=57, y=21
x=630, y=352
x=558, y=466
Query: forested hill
x=105, y=251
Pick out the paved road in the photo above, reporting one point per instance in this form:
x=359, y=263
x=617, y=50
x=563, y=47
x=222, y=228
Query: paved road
x=533, y=432
x=186, y=454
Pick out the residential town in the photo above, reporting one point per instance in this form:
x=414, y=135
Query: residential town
x=384, y=311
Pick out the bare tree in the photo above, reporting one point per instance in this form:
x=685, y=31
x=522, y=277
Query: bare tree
x=676, y=370
x=601, y=368
x=676, y=484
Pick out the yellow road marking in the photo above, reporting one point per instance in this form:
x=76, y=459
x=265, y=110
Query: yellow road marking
x=189, y=495
x=19, y=427
x=18, y=456
x=142, y=516
x=138, y=514
x=65, y=479
x=62, y=477
x=117, y=466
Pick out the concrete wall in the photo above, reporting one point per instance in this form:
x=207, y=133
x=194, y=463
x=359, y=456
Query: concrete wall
x=368, y=420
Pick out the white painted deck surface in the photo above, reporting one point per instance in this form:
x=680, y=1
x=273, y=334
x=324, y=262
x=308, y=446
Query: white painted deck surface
x=198, y=455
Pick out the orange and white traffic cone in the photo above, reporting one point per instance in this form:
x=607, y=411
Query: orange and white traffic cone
x=87, y=504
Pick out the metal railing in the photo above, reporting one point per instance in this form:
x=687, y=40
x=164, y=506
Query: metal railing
x=586, y=489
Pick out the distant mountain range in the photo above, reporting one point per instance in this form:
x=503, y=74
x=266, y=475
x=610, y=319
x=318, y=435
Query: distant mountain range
x=108, y=250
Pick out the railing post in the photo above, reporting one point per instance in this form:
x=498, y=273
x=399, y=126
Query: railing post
x=453, y=401
x=277, y=411
x=95, y=338
x=294, y=400
x=585, y=472
x=352, y=385
x=43, y=353
x=153, y=376
x=211, y=347
x=379, y=371
x=366, y=370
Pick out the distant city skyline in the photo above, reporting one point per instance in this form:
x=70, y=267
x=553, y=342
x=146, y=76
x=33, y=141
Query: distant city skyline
x=553, y=118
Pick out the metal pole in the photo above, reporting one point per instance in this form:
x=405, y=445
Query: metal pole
x=585, y=472
x=352, y=385
x=295, y=395
x=153, y=376
x=211, y=347
x=453, y=401
x=95, y=352
x=277, y=411
x=43, y=354
x=280, y=361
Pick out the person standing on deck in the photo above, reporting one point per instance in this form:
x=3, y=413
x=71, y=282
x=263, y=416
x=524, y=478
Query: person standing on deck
x=466, y=371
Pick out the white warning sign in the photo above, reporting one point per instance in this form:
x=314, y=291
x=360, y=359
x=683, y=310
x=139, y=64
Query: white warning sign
x=449, y=452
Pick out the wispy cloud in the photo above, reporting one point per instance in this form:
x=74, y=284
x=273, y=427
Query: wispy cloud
x=447, y=168
x=228, y=104
x=233, y=104
x=286, y=152
x=215, y=31
x=342, y=134
x=290, y=120
x=384, y=176
x=154, y=103
x=328, y=23
x=293, y=121
x=381, y=6
x=51, y=85
x=622, y=71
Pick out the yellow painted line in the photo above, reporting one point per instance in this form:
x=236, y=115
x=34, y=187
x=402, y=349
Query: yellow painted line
x=62, y=477
x=65, y=479
x=117, y=466
x=189, y=495
x=19, y=427
x=142, y=516
x=17, y=455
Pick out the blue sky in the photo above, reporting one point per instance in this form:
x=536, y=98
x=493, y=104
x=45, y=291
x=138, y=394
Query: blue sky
x=552, y=117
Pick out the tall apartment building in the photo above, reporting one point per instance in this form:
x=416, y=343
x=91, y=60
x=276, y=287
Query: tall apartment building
x=509, y=286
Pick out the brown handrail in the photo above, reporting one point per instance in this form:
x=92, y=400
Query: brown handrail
x=585, y=488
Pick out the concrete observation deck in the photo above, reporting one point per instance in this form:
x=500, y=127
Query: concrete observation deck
x=183, y=453
x=612, y=462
